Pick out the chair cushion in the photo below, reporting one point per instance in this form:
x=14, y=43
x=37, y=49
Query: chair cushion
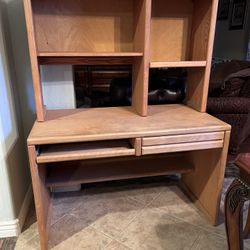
x=228, y=105
x=243, y=162
x=245, y=91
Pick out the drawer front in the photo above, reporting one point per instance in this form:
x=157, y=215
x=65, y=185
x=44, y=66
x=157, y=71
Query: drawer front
x=173, y=139
x=181, y=147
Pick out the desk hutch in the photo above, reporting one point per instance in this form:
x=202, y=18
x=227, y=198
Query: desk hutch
x=68, y=147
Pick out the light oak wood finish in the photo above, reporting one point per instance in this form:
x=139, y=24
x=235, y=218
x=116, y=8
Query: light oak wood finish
x=174, y=139
x=204, y=93
x=81, y=151
x=201, y=19
x=61, y=174
x=186, y=64
x=170, y=30
x=84, y=25
x=202, y=39
x=181, y=147
x=180, y=34
x=169, y=33
x=204, y=185
x=195, y=87
x=42, y=197
x=63, y=126
x=40, y=110
x=140, y=66
x=188, y=42
x=87, y=54
x=136, y=143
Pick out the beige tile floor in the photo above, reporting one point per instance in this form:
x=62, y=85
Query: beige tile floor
x=142, y=214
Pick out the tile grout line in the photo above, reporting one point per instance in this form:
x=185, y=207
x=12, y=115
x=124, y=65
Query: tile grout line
x=68, y=213
x=195, y=225
x=122, y=231
x=117, y=242
x=190, y=223
x=73, y=208
x=100, y=231
x=142, y=210
x=196, y=240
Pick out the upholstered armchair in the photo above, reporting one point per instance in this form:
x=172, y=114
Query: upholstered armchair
x=229, y=100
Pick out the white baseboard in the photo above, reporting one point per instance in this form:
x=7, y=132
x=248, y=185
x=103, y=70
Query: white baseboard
x=9, y=229
x=13, y=228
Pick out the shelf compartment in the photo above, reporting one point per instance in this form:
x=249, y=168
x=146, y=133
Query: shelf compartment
x=180, y=30
x=186, y=64
x=68, y=173
x=80, y=151
x=84, y=25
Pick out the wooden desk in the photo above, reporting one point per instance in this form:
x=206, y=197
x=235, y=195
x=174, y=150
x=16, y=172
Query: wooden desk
x=69, y=146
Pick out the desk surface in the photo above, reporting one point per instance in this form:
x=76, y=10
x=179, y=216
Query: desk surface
x=62, y=126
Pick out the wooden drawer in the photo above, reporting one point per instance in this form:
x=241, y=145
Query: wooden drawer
x=178, y=143
x=172, y=139
x=181, y=147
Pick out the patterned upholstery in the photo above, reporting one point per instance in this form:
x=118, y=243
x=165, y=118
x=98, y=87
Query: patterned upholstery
x=230, y=101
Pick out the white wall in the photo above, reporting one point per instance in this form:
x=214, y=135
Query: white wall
x=14, y=174
x=232, y=44
x=8, y=130
x=18, y=112
x=21, y=62
x=58, y=87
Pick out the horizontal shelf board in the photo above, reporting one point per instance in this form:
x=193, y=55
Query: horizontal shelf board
x=87, y=60
x=188, y=64
x=96, y=124
x=80, y=151
x=63, y=174
x=89, y=54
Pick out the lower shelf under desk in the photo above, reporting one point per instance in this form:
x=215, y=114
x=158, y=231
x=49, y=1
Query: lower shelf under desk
x=80, y=172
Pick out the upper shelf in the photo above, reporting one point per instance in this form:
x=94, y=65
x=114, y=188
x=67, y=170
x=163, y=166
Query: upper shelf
x=85, y=58
x=87, y=54
x=180, y=30
x=87, y=26
x=187, y=64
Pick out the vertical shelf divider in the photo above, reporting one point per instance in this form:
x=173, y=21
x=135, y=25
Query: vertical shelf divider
x=40, y=108
x=201, y=48
x=141, y=65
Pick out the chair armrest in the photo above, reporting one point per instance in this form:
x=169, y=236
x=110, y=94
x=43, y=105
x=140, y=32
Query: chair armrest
x=228, y=105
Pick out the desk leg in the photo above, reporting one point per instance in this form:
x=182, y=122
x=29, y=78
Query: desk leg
x=204, y=185
x=247, y=227
x=42, y=197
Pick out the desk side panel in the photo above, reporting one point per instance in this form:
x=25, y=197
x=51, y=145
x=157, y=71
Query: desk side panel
x=204, y=185
x=42, y=197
